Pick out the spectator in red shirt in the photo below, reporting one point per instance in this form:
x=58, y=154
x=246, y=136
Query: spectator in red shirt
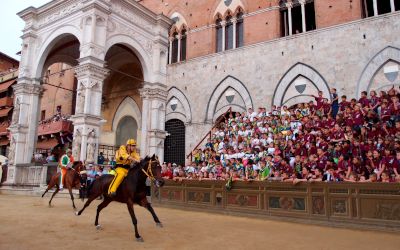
x=364, y=99
x=344, y=103
x=166, y=171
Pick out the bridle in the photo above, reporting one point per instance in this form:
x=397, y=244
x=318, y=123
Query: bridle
x=148, y=172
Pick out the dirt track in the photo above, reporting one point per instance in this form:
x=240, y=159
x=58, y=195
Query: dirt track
x=28, y=223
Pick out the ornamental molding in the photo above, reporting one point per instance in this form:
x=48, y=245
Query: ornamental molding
x=146, y=43
x=151, y=93
x=55, y=13
x=91, y=48
x=130, y=14
x=91, y=71
x=27, y=88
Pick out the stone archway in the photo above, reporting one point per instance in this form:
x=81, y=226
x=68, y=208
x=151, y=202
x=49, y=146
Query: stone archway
x=98, y=26
x=236, y=96
x=299, y=82
x=374, y=65
x=178, y=106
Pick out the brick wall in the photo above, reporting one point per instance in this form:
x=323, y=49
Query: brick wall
x=54, y=96
x=262, y=24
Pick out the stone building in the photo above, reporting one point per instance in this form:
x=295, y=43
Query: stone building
x=163, y=71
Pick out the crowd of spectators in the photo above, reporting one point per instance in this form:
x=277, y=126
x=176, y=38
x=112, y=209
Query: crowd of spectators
x=328, y=139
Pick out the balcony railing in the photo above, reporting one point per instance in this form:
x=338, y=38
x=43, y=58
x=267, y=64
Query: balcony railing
x=6, y=102
x=55, y=127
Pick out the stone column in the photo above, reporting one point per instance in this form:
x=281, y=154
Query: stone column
x=223, y=24
x=171, y=40
x=24, y=124
x=179, y=37
x=375, y=7
x=153, y=119
x=303, y=14
x=392, y=7
x=289, y=6
x=87, y=121
x=234, y=22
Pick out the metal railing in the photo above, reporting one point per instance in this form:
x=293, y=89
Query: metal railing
x=209, y=133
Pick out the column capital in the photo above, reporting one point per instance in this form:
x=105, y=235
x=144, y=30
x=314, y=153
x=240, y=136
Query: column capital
x=223, y=23
x=302, y=2
x=234, y=20
x=289, y=5
x=171, y=39
x=90, y=74
x=27, y=88
x=154, y=91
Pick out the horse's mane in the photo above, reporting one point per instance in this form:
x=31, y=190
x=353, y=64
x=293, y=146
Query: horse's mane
x=76, y=164
x=139, y=165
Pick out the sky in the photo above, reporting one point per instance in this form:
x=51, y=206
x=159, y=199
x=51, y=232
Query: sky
x=12, y=25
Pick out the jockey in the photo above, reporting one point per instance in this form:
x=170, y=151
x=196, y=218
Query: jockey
x=125, y=156
x=65, y=163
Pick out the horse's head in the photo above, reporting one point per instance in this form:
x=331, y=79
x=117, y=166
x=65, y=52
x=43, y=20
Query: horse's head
x=152, y=169
x=77, y=165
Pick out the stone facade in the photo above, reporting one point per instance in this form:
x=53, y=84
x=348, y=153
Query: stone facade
x=50, y=33
x=345, y=52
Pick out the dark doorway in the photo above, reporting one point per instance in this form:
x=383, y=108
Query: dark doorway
x=174, y=146
x=127, y=129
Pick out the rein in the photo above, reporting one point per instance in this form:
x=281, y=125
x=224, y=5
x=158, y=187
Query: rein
x=149, y=172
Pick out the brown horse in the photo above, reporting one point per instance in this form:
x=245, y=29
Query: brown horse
x=72, y=179
x=132, y=190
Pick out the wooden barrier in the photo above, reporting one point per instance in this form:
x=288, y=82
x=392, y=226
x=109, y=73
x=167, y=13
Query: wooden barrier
x=361, y=205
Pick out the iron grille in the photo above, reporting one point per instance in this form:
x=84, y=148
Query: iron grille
x=174, y=146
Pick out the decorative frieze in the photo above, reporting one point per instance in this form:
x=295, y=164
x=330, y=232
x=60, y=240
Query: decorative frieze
x=155, y=93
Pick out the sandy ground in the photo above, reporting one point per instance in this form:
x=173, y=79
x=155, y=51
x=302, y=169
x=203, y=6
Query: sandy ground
x=28, y=223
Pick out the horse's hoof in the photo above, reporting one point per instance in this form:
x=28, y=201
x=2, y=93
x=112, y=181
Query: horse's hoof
x=140, y=239
x=160, y=225
x=98, y=227
x=76, y=213
x=50, y=206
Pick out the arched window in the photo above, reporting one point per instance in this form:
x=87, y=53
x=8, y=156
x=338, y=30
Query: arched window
x=183, y=45
x=174, y=54
x=218, y=35
x=239, y=30
x=229, y=33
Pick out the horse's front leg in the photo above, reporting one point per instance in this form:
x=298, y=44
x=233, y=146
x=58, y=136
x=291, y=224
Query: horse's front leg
x=72, y=197
x=100, y=207
x=54, y=194
x=148, y=206
x=134, y=220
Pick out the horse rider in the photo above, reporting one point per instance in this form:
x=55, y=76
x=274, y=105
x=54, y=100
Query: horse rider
x=125, y=156
x=65, y=163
